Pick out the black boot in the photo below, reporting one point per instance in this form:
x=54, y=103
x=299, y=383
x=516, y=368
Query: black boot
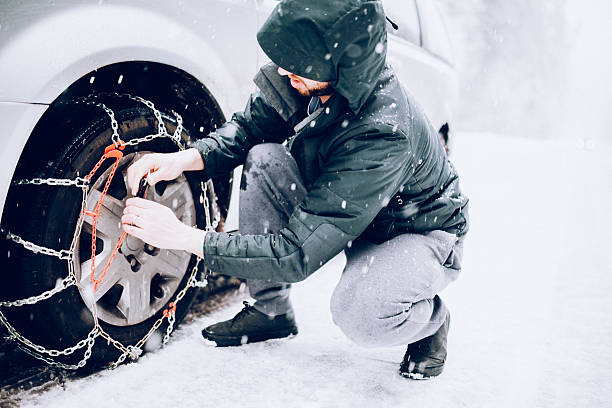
x=425, y=358
x=250, y=326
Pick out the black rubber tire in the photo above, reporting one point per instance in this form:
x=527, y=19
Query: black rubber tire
x=48, y=216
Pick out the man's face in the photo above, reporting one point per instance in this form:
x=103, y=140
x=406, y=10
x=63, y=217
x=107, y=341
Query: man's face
x=307, y=87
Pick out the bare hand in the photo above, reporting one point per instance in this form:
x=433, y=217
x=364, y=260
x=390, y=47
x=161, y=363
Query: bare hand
x=162, y=166
x=157, y=225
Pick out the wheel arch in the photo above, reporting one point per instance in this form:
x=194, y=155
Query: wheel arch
x=165, y=85
x=105, y=36
x=92, y=38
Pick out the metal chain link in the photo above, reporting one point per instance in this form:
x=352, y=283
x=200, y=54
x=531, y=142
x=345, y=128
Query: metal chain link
x=63, y=284
x=110, y=341
x=120, y=360
x=64, y=254
x=126, y=351
x=134, y=351
x=87, y=100
x=40, y=349
x=78, y=182
x=210, y=226
x=48, y=360
x=195, y=282
x=205, y=202
x=161, y=127
x=201, y=284
x=179, y=128
x=59, y=364
x=171, y=320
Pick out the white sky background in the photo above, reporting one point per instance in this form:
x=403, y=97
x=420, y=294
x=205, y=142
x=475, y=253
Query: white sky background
x=534, y=69
x=590, y=69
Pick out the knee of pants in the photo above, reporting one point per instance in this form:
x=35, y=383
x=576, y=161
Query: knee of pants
x=264, y=155
x=366, y=319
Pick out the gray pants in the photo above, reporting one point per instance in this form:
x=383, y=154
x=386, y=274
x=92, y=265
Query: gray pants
x=387, y=294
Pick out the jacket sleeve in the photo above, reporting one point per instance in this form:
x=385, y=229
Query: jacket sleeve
x=360, y=175
x=227, y=147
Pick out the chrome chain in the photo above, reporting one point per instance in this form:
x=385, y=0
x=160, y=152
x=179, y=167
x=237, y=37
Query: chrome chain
x=83, y=182
x=161, y=127
x=51, y=362
x=42, y=350
x=85, y=100
x=134, y=351
x=78, y=182
x=126, y=351
x=63, y=284
x=200, y=284
x=64, y=254
x=109, y=340
x=176, y=136
x=169, y=329
x=211, y=225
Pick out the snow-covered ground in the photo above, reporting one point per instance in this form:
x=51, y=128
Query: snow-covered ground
x=530, y=325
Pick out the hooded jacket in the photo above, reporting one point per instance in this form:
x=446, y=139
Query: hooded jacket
x=370, y=160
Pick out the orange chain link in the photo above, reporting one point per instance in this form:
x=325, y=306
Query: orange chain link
x=112, y=151
x=171, y=309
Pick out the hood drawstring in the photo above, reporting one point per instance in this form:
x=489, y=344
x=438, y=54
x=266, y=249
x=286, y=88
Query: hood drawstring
x=313, y=105
x=395, y=26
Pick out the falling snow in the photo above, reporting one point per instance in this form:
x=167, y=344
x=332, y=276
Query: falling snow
x=527, y=311
x=491, y=324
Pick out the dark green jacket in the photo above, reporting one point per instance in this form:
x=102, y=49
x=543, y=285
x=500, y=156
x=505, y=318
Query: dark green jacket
x=370, y=160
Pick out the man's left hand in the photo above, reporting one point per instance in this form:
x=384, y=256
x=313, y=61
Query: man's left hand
x=157, y=225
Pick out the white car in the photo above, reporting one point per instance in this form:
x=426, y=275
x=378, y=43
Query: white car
x=75, y=76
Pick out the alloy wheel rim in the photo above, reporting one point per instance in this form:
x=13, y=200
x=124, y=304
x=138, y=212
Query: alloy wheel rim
x=142, y=279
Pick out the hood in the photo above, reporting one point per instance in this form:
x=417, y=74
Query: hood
x=339, y=41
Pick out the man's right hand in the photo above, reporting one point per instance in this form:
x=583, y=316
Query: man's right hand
x=163, y=166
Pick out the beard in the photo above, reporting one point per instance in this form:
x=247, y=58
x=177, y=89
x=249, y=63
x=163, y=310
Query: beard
x=325, y=89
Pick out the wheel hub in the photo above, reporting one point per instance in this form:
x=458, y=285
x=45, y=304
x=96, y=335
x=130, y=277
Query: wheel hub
x=141, y=279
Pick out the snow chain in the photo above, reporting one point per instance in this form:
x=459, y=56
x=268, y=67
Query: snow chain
x=131, y=351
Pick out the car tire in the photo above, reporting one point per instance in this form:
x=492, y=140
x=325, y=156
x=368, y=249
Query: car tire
x=48, y=215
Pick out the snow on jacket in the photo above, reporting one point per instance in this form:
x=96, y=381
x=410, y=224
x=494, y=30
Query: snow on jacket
x=371, y=162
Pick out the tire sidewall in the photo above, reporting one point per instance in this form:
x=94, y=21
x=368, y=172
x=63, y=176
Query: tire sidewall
x=64, y=319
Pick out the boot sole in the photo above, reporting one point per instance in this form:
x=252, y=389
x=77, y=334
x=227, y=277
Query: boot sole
x=231, y=341
x=434, y=372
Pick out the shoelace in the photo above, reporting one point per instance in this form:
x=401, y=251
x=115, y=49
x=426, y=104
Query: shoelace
x=246, y=310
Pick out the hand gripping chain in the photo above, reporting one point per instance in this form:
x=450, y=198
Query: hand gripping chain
x=113, y=151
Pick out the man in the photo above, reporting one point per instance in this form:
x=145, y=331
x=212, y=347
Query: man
x=362, y=170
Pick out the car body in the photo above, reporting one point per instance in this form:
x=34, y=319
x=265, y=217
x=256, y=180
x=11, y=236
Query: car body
x=47, y=46
x=197, y=58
